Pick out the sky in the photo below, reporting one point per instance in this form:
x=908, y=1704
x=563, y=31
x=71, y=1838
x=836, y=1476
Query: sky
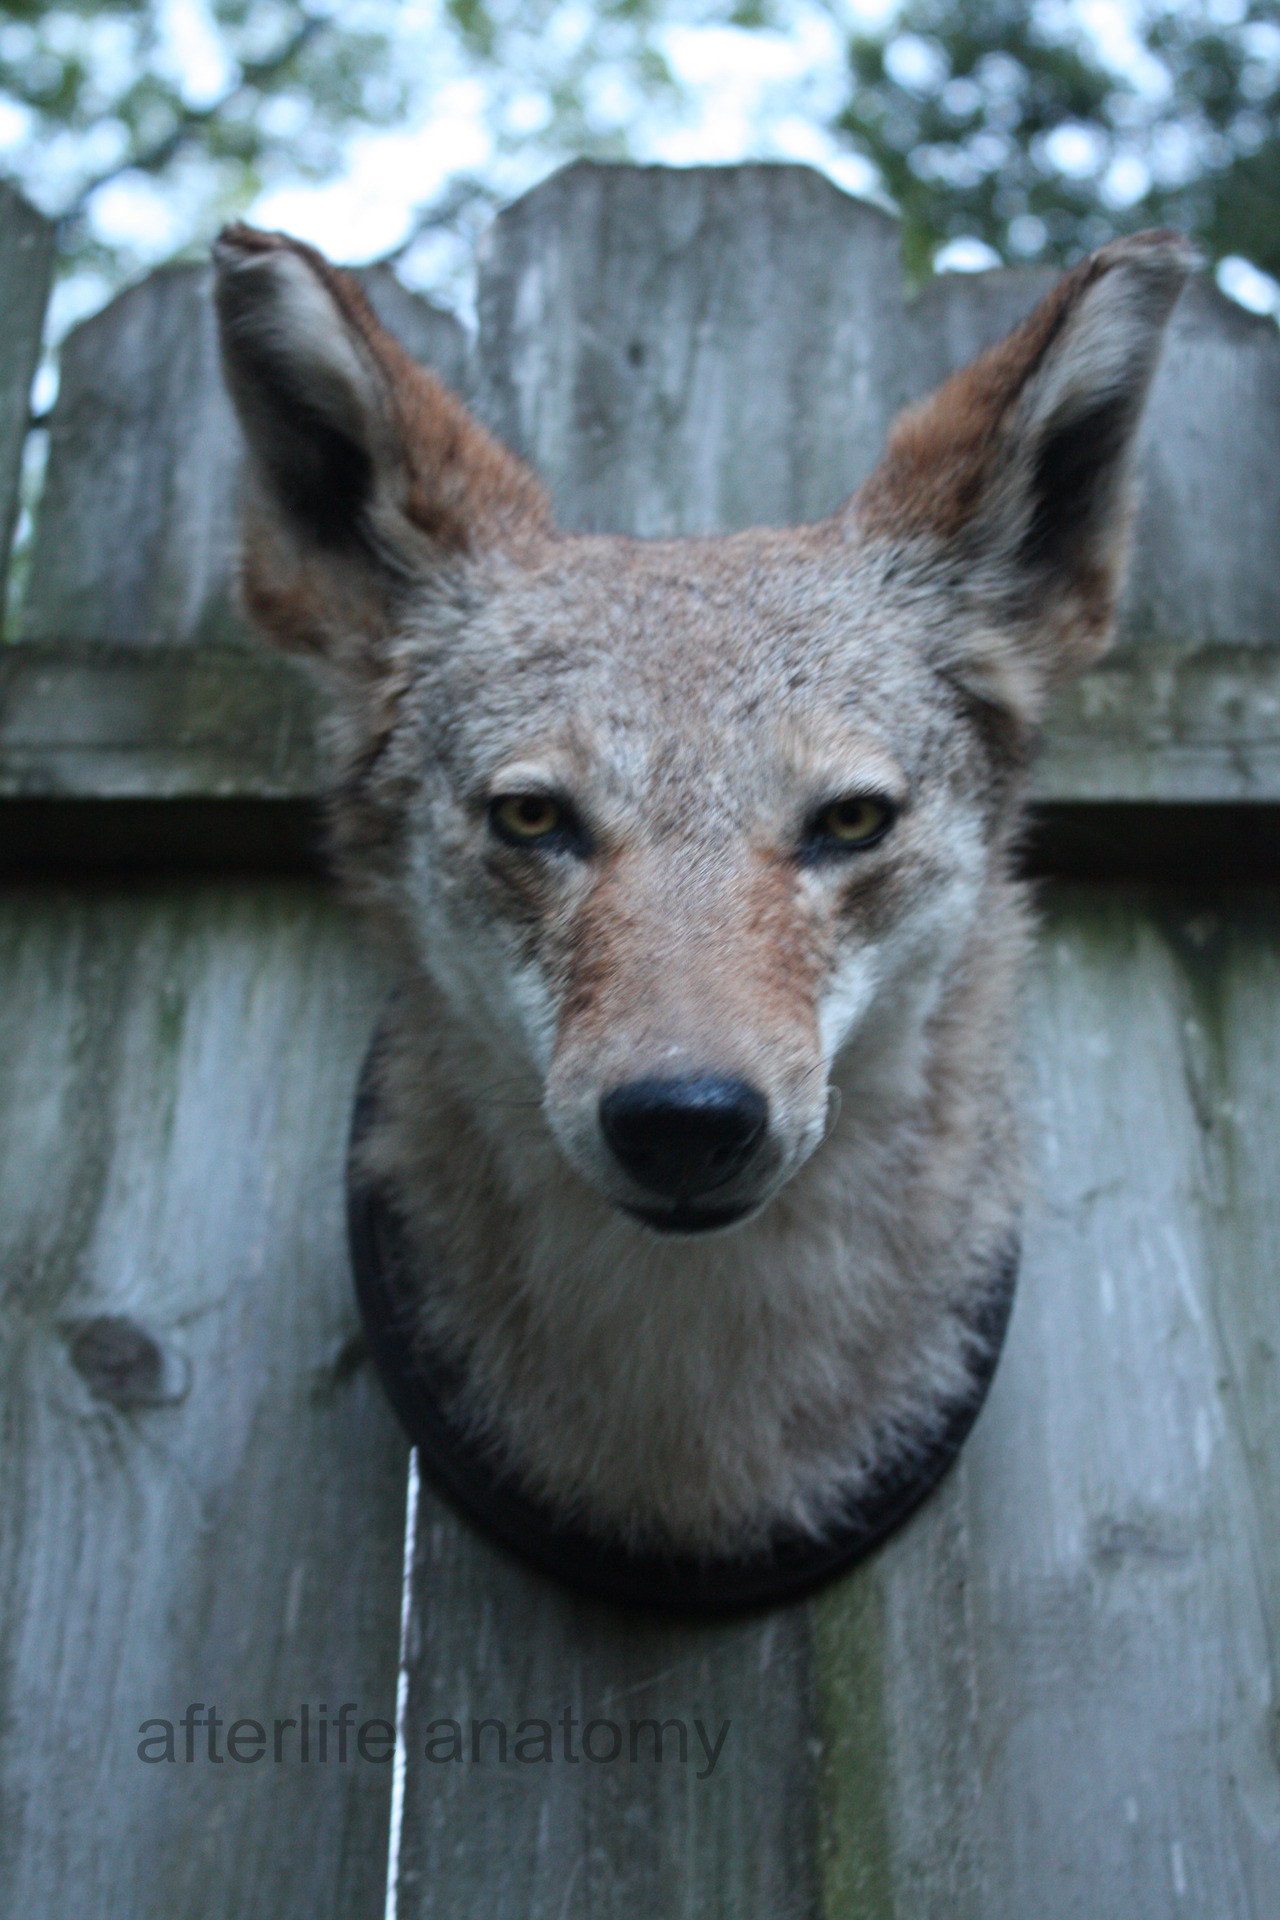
x=745, y=95
x=757, y=94
x=748, y=95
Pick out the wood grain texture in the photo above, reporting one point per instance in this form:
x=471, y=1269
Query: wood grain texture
x=1055, y=1692
x=1206, y=568
x=201, y=1489
x=1159, y=721
x=111, y=720
x=691, y=350
x=26, y=272
x=138, y=523
x=136, y=527
x=569, y=1838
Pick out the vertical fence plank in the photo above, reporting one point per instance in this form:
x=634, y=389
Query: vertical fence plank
x=1228, y=956
x=26, y=269
x=695, y=1831
x=1072, y=1685
x=1127, y=1669
x=685, y=351
x=1206, y=564
x=899, y=1782
x=138, y=524
x=201, y=1489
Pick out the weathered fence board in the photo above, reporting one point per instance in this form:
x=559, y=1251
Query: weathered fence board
x=685, y=351
x=110, y=720
x=26, y=269
x=696, y=1831
x=136, y=525
x=1207, y=543
x=201, y=1489
x=1076, y=1641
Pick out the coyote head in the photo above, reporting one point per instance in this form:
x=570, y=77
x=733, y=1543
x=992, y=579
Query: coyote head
x=690, y=836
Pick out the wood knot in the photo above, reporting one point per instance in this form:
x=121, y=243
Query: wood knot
x=123, y=1364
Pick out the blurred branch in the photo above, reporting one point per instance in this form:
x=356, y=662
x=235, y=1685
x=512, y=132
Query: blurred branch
x=192, y=120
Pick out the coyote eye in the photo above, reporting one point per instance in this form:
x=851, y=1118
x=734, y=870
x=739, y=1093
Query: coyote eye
x=854, y=823
x=525, y=818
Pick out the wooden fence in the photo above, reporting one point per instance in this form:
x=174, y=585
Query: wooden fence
x=1054, y=1693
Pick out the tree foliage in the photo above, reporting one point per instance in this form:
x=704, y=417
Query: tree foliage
x=992, y=119
x=986, y=118
x=104, y=88
x=217, y=98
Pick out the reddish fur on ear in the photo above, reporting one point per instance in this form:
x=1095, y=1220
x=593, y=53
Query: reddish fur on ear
x=302, y=604
x=942, y=452
x=461, y=488
x=1015, y=473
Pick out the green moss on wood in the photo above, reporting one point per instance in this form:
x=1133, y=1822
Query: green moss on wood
x=854, y=1843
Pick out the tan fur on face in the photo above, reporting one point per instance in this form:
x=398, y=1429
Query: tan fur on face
x=694, y=707
x=676, y=967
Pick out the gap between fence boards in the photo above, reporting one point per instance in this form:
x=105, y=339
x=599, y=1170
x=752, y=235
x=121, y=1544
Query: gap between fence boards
x=1164, y=842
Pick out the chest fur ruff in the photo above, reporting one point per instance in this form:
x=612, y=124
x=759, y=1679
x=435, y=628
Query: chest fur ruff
x=695, y=1395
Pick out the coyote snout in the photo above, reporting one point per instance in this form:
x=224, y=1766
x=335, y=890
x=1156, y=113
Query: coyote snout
x=684, y=1141
x=687, y=1080
x=699, y=857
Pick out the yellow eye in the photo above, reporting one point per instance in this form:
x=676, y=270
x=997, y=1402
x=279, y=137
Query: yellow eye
x=524, y=817
x=856, y=822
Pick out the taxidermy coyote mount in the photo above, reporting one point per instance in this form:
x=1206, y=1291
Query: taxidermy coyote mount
x=698, y=854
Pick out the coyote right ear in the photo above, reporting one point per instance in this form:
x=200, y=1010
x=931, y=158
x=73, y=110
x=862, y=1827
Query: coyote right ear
x=1013, y=476
x=368, y=472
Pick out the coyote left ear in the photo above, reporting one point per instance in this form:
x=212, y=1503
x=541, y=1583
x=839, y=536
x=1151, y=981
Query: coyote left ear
x=1014, y=475
x=368, y=471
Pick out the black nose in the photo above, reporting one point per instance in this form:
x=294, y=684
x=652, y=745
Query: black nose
x=680, y=1138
